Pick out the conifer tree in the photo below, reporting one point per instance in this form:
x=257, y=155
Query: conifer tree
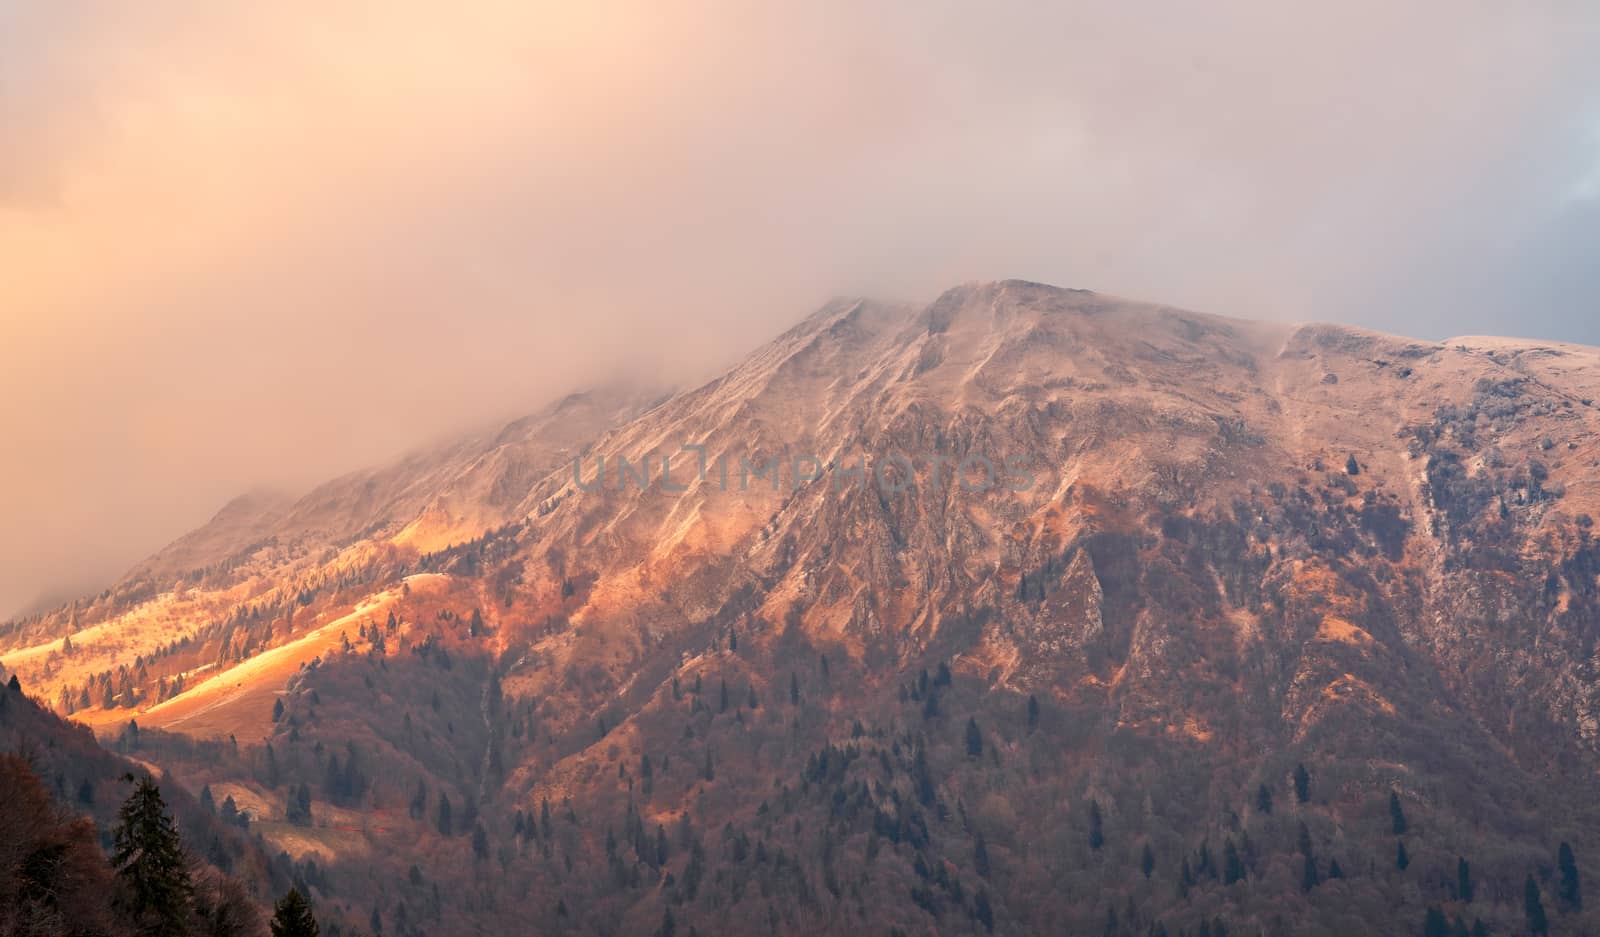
x=442, y=818
x=974, y=739
x=292, y=917
x=148, y=856
x=1097, y=836
x=1264, y=799
x=1401, y=859
x=1232, y=865
x=1533, y=907
x=1435, y=924
x=1147, y=861
x=1464, y=887
x=1397, y=814
x=982, y=911
x=1302, y=783
x=1569, y=890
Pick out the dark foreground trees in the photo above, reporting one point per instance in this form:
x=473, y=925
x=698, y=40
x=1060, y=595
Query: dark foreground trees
x=293, y=918
x=149, y=860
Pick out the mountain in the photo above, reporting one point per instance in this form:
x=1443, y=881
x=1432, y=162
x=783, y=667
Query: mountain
x=1054, y=613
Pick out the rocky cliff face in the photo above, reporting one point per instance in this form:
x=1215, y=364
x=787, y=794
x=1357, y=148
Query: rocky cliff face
x=1046, y=582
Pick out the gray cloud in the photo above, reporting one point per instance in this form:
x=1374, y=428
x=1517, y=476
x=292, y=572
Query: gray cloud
x=248, y=246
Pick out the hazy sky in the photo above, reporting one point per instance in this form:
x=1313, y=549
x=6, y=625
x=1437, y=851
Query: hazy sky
x=247, y=244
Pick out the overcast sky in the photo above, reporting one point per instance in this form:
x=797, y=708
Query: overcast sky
x=259, y=244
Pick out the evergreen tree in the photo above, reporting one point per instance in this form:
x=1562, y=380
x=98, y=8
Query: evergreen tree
x=1147, y=861
x=1232, y=865
x=1334, y=871
x=1569, y=890
x=1401, y=860
x=1033, y=712
x=442, y=817
x=1097, y=836
x=1302, y=783
x=794, y=689
x=982, y=911
x=1464, y=887
x=722, y=705
x=1304, y=841
x=1397, y=814
x=1435, y=924
x=1264, y=799
x=1533, y=906
x=149, y=859
x=292, y=917
x=974, y=739
x=980, y=856
x=297, y=809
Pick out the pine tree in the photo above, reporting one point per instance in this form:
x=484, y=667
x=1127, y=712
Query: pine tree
x=1464, y=887
x=292, y=917
x=982, y=911
x=1302, y=784
x=1569, y=890
x=1232, y=866
x=794, y=690
x=1533, y=906
x=1308, y=874
x=974, y=739
x=148, y=856
x=1401, y=860
x=1033, y=713
x=1097, y=836
x=1264, y=799
x=442, y=818
x=1435, y=924
x=1397, y=814
x=1334, y=871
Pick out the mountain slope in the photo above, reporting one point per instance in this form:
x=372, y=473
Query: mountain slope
x=1212, y=551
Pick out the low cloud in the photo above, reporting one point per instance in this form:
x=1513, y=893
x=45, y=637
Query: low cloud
x=259, y=244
